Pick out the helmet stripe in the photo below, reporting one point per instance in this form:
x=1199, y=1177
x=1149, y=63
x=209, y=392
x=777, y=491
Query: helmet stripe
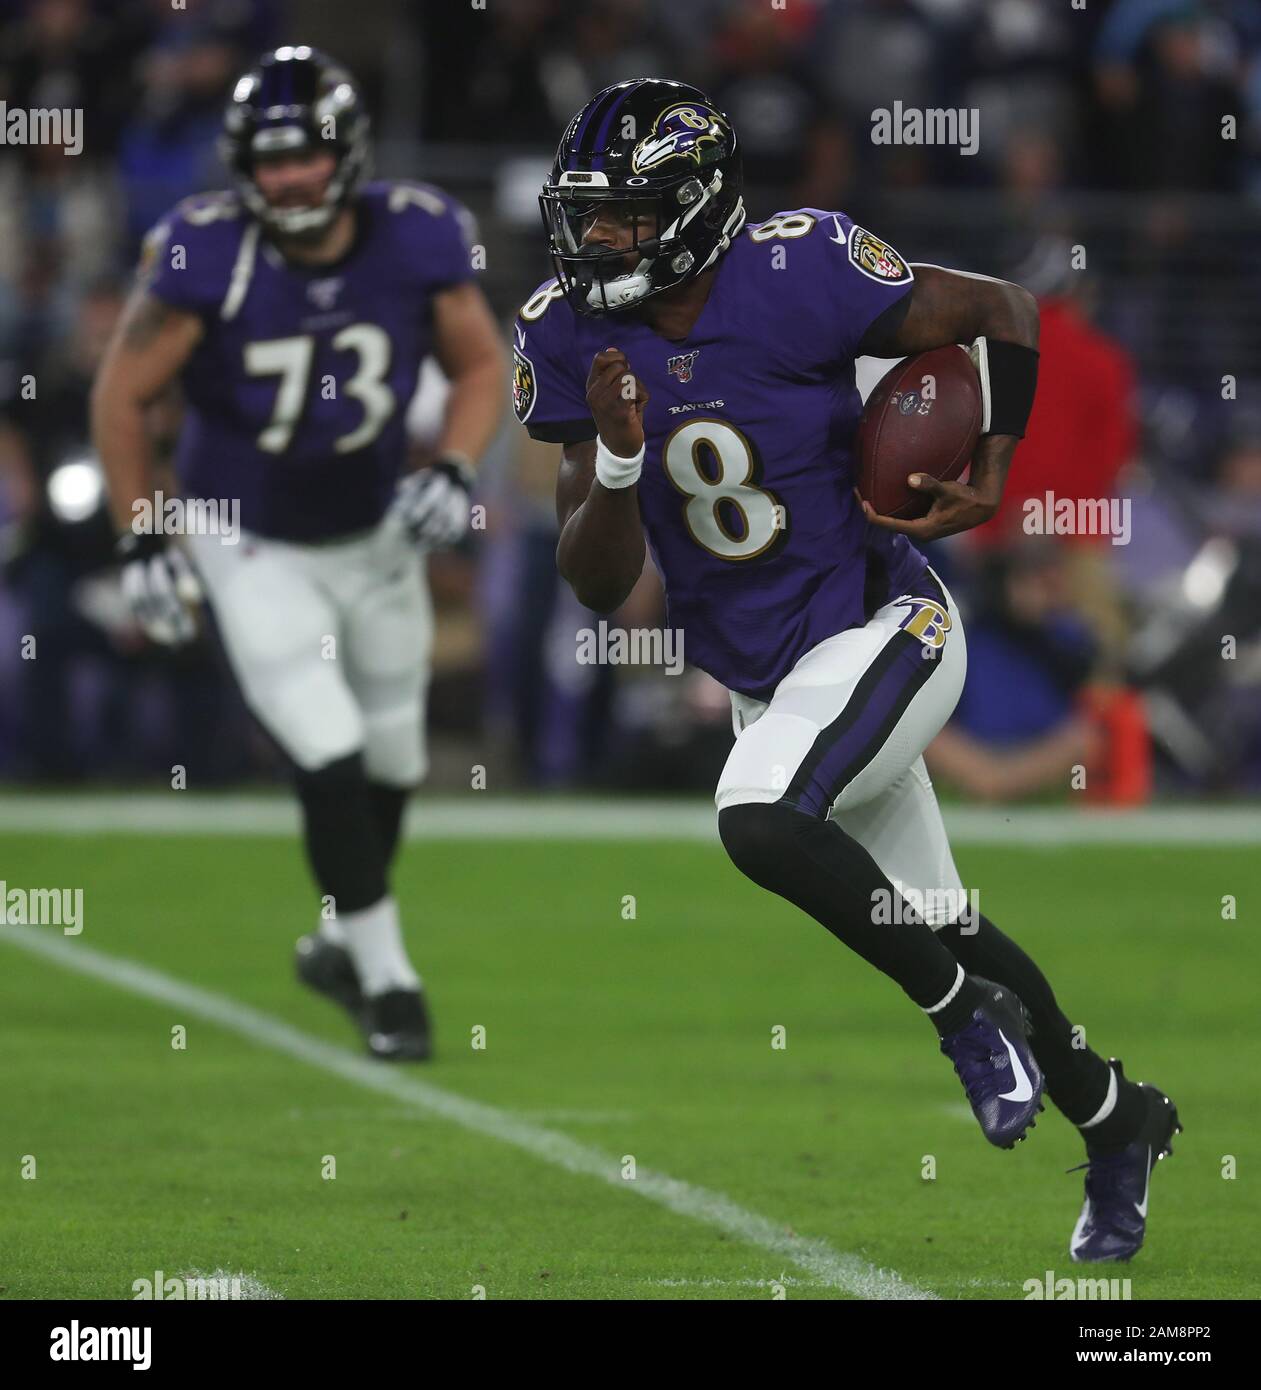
x=598, y=162
x=584, y=143
x=576, y=143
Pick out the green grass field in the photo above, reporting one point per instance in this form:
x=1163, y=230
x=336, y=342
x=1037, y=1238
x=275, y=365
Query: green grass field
x=648, y=1038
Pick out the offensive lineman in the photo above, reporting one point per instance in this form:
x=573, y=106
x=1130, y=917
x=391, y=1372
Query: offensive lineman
x=700, y=377
x=295, y=312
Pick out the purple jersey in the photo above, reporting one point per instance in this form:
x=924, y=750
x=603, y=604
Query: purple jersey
x=746, y=492
x=297, y=392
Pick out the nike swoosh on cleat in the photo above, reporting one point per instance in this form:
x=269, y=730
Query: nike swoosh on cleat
x=1078, y=1238
x=1141, y=1207
x=1023, y=1088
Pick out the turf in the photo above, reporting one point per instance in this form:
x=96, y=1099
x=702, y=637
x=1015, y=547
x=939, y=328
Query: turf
x=649, y=1037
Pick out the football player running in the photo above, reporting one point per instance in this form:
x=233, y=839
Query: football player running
x=294, y=313
x=699, y=374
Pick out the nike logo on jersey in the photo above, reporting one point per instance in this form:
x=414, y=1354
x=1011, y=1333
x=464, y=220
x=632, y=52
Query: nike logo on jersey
x=520, y=336
x=840, y=237
x=1023, y=1089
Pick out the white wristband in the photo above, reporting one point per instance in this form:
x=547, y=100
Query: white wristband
x=613, y=470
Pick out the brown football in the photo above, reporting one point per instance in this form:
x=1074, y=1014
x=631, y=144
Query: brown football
x=924, y=416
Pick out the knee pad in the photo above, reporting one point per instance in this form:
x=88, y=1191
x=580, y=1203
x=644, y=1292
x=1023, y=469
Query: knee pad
x=808, y=860
x=763, y=840
x=394, y=747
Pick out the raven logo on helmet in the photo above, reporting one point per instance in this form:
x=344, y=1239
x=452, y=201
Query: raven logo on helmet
x=681, y=131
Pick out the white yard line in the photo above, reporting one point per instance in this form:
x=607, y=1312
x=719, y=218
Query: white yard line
x=787, y=1281
x=234, y=1284
x=834, y=1268
x=483, y=816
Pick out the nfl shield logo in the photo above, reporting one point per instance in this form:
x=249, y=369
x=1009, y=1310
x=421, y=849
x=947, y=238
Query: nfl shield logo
x=323, y=293
x=682, y=365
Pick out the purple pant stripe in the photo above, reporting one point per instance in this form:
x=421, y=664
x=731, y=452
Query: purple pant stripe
x=849, y=743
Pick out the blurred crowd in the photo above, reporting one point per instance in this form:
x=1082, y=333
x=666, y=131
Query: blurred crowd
x=1124, y=95
x=1118, y=176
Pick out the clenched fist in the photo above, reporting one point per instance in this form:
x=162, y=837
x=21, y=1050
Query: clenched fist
x=616, y=398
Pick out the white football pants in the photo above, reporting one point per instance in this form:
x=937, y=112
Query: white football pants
x=330, y=643
x=844, y=733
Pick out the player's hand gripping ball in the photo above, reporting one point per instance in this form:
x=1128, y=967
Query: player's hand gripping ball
x=923, y=419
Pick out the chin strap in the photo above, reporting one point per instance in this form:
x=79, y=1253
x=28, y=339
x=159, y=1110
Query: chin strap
x=730, y=229
x=636, y=284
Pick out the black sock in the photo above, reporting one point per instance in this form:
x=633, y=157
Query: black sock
x=1123, y=1121
x=388, y=805
x=827, y=873
x=341, y=837
x=1077, y=1078
x=957, y=1014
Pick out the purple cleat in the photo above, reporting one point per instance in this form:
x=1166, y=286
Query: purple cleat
x=1113, y=1219
x=996, y=1065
